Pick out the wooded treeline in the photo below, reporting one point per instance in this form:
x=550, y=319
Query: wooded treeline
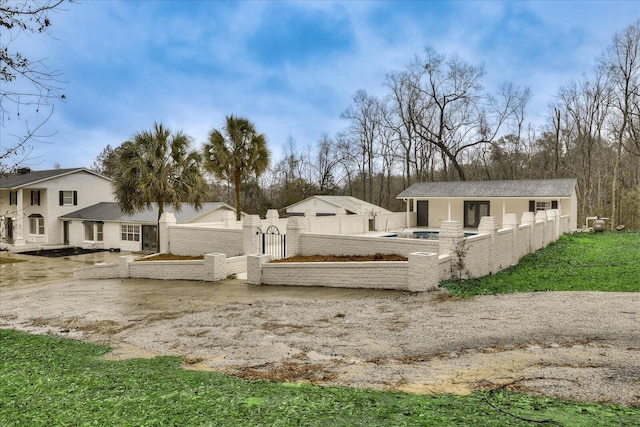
x=437, y=122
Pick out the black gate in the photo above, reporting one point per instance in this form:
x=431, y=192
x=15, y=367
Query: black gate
x=272, y=242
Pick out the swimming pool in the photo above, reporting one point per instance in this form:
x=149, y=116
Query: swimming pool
x=424, y=234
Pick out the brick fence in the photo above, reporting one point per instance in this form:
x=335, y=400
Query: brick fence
x=429, y=261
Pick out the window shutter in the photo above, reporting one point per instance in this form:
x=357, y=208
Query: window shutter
x=532, y=205
x=75, y=198
x=61, y=197
x=554, y=204
x=32, y=197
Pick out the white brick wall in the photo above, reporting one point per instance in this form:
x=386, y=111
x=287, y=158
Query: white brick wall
x=168, y=270
x=369, y=275
x=427, y=265
x=322, y=244
x=195, y=241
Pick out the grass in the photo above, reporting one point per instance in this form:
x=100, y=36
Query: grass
x=53, y=381
x=576, y=262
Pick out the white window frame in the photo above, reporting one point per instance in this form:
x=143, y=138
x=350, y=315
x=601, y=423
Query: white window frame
x=542, y=206
x=94, y=232
x=67, y=198
x=36, y=225
x=130, y=233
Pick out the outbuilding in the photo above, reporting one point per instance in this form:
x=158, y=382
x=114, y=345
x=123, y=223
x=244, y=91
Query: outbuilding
x=428, y=204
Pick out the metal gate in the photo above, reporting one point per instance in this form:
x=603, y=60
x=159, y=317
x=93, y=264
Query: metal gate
x=272, y=243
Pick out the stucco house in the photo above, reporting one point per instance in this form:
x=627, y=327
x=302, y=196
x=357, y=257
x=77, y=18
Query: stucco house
x=105, y=226
x=431, y=203
x=32, y=201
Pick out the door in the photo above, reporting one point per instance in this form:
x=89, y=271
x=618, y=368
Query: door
x=473, y=211
x=150, y=238
x=65, y=233
x=9, y=224
x=423, y=213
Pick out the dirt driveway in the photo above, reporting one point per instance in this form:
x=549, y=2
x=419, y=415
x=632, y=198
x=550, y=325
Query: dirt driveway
x=579, y=345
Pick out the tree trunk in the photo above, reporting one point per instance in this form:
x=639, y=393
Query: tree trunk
x=237, y=183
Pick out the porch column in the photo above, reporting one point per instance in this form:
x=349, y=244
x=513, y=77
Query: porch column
x=407, y=214
x=19, y=219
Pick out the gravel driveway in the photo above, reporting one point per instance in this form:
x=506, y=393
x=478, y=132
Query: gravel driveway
x=577, y=345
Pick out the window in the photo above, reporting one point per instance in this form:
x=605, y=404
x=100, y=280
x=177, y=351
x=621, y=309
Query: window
x=68, y=198
x=130, y=233
x=36, y=224
x=473, y=211
x=13, y=197
x=93, y=231
x=542, y=206
x=35, y=197
x=537, y=205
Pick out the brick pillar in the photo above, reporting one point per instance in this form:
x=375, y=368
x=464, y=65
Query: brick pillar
x=451, y=233
x=555, y=216
x=529, y=219
x=511, y=221
x=295, y=227
x=423, y=271
x=215, y=267
x=254, y=268
x=166, y=219
x=123, y=266
x=489, y=225
x=250, y=236
x=541, y=216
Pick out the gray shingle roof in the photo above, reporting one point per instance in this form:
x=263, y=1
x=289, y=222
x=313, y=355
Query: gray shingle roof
x=507, y=188
x=110, y=211
x=17, y=180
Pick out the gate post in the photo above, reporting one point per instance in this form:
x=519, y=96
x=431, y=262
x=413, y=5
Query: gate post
x=250, y=227
x=295, y=226
x=166, y=219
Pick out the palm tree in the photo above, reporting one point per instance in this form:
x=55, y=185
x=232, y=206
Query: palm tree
x=158, y=166
x=235, y=153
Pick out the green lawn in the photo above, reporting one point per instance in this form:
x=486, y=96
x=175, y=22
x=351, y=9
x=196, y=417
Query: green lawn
x=52, y=381
x=576, y=262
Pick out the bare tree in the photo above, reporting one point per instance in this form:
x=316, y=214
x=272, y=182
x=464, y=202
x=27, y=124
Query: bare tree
x=25, y=83
x=621, y=62
x=457, y=115
x=365, y=126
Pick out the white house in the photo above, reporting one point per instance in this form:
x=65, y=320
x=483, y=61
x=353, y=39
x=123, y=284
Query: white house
x=431, y=203
x=32, y=201
x=105, y=226
x=332, y=205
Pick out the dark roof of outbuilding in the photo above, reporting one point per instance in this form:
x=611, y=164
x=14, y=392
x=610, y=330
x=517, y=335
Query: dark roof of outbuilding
x=507, y=188
x=110, y=211
x=17, y=180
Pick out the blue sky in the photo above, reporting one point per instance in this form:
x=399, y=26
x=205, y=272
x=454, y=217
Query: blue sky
x=290, y=67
